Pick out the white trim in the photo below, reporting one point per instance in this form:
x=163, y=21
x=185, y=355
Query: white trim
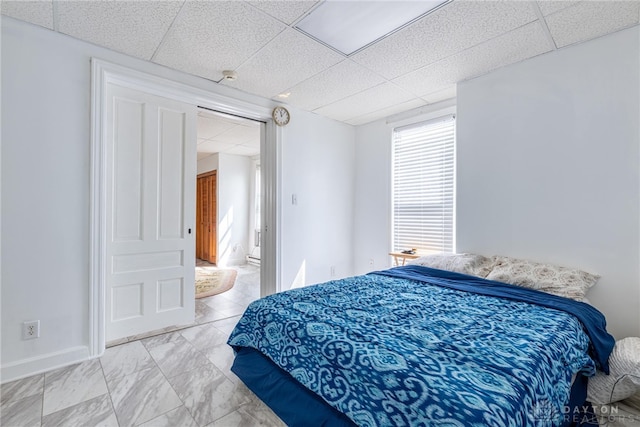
x=104, y=73
x=47, y=362
x=98, y=223
x=270, y=155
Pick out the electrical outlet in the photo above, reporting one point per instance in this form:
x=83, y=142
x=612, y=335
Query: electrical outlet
x=31, y=330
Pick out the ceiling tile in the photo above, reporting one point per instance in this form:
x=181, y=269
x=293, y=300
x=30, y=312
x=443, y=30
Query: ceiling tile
x=209, y=127
x=286, y=61
x=242, y=150
x=547, y=7
x=374, y=99
x=520, y=44
x=211, y=36
x=111, y=23
x=591, y=19
x=254, y=144
x=36, y=12
x=441, y=95
x=340, y=81
x=386, y=112
x=240, y=134
x=450, y=29
x=203, y=155
x=286, y=11
x=213, y=147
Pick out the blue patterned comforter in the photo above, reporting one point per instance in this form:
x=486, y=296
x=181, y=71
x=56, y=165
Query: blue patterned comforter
x=392, y=351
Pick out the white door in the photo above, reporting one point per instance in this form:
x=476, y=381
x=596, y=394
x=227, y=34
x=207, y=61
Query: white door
x=150, y=199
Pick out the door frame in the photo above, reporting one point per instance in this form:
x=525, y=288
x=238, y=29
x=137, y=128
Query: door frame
x=104, y=73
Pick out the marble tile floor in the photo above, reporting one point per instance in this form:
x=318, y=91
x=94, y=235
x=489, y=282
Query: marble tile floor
x=233, y=302
x=179, y=378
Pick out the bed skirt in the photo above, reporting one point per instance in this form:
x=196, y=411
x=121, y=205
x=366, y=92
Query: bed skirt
x=297, y=406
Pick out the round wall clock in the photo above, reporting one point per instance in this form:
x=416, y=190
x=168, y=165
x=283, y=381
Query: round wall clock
x=281, y=116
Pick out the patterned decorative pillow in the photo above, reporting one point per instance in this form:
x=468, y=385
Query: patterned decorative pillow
x=562, y=281
x=623, y=380
x=471, y=264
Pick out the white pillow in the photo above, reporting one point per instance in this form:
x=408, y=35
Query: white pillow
x=623, y=380
x=471, y=264
x=553, y=279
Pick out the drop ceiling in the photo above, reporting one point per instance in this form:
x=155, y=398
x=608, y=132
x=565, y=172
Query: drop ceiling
x=413, y=67
x=222, y=133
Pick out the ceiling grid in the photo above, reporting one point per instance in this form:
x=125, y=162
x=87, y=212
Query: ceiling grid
x=419, y=64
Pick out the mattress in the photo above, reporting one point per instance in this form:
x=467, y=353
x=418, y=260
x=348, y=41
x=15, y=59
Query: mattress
x=413, y=345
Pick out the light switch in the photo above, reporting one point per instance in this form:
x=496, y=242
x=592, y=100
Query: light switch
x=294, y=199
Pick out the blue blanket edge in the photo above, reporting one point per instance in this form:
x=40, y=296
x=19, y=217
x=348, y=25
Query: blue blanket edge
x=593, y=321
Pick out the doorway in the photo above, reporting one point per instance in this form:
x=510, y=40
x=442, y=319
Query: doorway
x=206, y=217
x=104, y=76
x=228, y=210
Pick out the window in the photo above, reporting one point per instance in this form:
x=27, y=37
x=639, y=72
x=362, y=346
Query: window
x=423, y=186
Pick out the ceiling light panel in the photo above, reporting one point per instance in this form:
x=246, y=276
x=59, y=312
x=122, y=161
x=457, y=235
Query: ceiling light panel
x=36, y=12
x=454, y=27
x=348, y=26
x=211, y=36
x=110, y=23
x=591, y=19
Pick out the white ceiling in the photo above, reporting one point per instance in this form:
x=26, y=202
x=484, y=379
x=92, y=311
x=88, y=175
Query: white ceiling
x=415, y=66
x=222, y=133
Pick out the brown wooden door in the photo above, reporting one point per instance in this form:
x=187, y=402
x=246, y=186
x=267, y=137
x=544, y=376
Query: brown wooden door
x=206, y=217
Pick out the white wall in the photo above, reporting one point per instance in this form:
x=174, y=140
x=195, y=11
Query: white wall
x=234, y=185
x=208, y=164
x=372, y=214
x=45, y=190
x=318, y=158
x=252, y=249
x=234, y=202
x=548, y=167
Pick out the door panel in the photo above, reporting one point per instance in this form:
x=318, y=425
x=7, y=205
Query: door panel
x=207, y=215
x=151, y=160
x=127, y=152
x=213, y=217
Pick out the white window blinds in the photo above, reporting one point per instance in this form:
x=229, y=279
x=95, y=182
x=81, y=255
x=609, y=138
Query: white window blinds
x=423, y=186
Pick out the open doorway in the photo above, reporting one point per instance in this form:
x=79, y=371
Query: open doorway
x=227, y=215
x=168, y=144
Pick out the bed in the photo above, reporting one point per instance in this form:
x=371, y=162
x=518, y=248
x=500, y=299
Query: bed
x=414, y=345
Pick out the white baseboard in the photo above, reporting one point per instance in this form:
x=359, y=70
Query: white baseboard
x=47, y=362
